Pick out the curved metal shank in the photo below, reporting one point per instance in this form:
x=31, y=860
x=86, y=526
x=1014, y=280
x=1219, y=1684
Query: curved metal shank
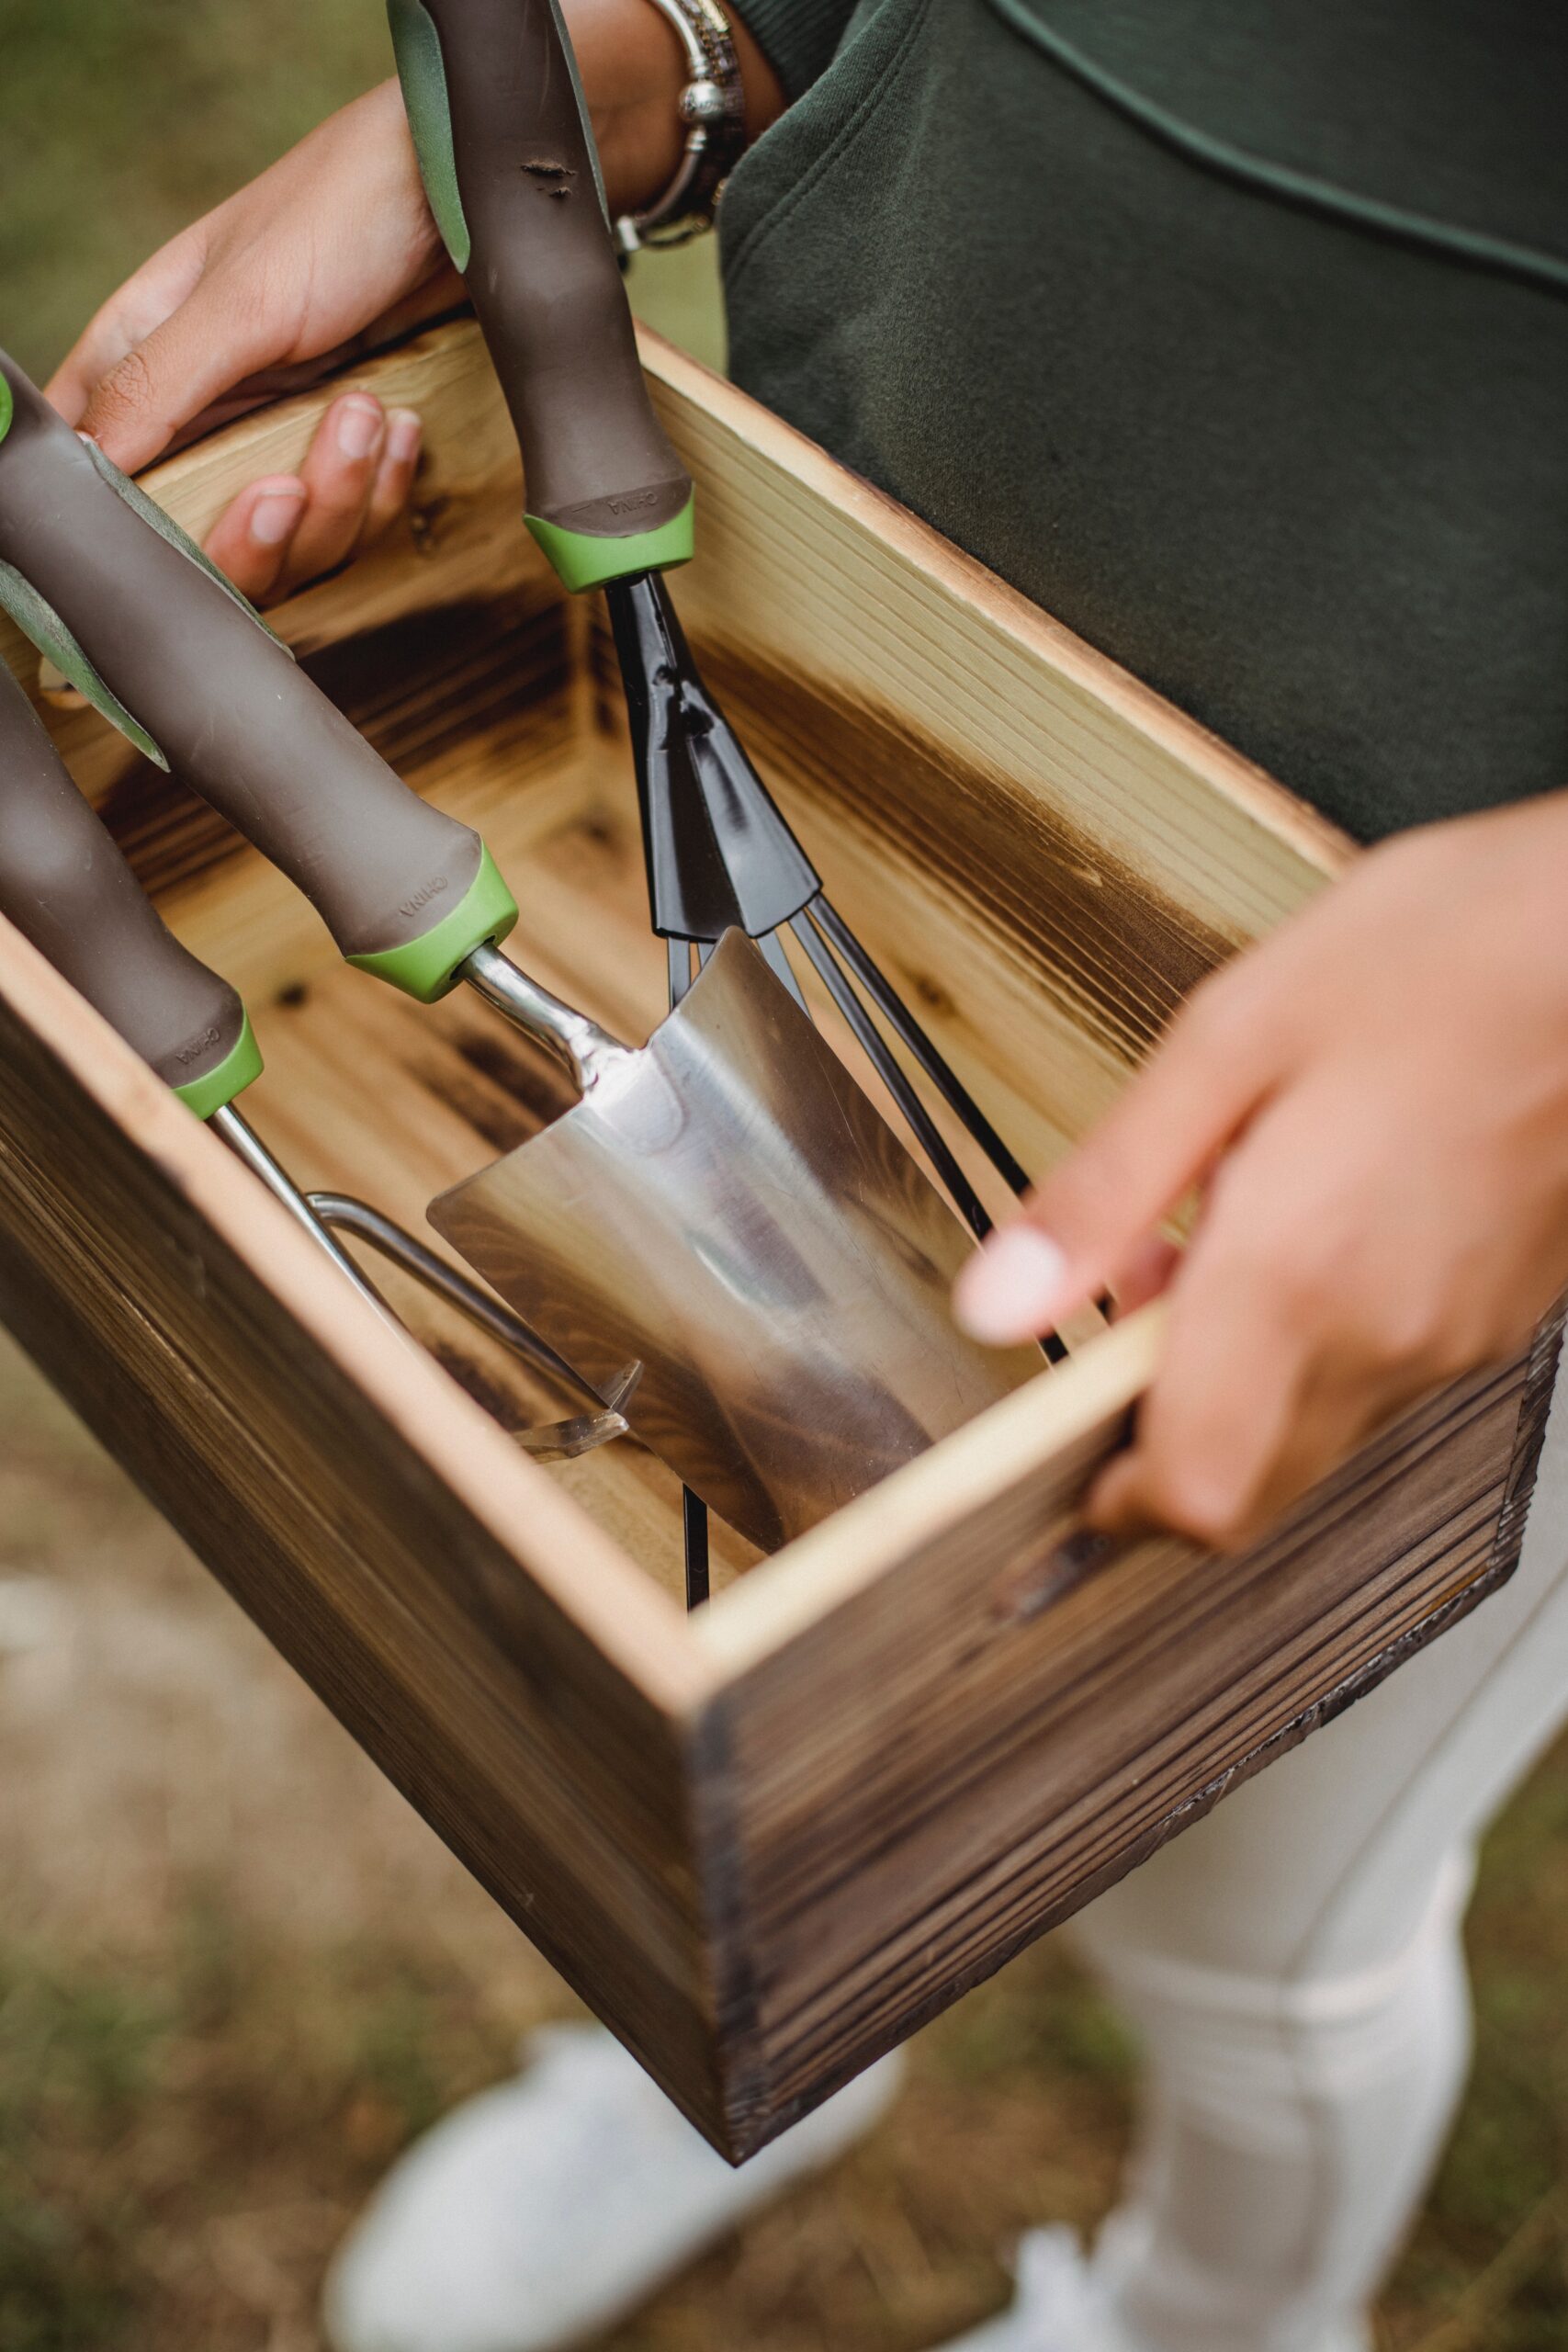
x=545, y=1441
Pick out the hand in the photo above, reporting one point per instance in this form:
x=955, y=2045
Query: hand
x=1373, y=1107
x=284, y=529
x=333, y=242
x=334, y=246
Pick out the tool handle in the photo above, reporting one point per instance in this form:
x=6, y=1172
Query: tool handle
x=511, y=170
x=403, y=889
x=66, y=888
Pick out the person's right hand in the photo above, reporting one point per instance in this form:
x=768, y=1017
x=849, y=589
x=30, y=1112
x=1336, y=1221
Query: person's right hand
x=335, y=244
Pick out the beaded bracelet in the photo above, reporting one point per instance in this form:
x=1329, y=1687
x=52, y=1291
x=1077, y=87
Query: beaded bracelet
x=713, y=105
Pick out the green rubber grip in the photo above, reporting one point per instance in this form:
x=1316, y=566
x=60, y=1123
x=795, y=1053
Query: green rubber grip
x=512, y=176
x=65, y=886
x=416, y=45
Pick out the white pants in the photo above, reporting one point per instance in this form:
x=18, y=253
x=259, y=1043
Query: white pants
x=1293, y=1965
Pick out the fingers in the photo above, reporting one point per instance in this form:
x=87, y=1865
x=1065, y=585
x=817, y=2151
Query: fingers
x=130, y=315
x=251, y=538
x=98, y=350
x=172, y=374
x=1093, y=1215
x=339, y=475
x=1283, y=1351
x=1146, y=1274
x=356, y=477
x=1211, y=1434
x=393, y=485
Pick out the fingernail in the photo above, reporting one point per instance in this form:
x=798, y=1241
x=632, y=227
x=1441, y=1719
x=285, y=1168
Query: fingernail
x=404, y=428
x=358, y=428
x=274, y=517
x=1010, y=1290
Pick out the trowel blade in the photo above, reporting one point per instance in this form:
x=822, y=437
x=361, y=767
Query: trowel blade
x=728, y=1208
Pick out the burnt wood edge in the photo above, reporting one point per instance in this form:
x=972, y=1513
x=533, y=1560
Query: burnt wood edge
x=750, y=2119
x=738, y=2119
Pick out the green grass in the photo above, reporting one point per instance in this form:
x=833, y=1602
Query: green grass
x=182, y=2140
x=78, y=2057
x=184, y=2135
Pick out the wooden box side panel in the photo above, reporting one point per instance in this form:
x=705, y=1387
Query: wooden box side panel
x=546, y=1744
x=963, y=1752
x=1070, y=854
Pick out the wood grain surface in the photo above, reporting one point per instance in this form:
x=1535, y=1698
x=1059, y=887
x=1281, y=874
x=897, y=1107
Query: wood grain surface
x=766, y=1842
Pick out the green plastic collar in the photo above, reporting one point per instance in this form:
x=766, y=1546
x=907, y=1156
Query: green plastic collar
x=8, y=408
x=240, y=1068
x=426, y=968
x=583, y=562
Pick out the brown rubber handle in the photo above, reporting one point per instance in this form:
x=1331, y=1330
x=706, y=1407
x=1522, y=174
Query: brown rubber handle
x=224, y=702
x=542, y=271
x=66, y=888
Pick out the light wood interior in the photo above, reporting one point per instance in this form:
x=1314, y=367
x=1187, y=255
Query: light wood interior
x=481, y=706
x=1041, y=873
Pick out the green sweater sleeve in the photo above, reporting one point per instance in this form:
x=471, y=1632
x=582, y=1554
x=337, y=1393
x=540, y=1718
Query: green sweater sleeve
x=799, y=38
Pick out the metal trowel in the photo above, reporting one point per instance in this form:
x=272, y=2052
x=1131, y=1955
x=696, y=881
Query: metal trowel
x=727, y=1207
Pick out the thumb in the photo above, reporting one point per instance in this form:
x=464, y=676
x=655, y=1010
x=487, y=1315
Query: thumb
x=1092, y=1217
x=194, y=356
x=127, y=319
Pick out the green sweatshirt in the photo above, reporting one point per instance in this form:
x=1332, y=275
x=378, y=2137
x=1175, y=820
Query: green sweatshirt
x=1233, y=331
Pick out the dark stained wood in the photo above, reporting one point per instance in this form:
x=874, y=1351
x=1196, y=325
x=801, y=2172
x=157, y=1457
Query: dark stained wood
x=1072, y=1711
x=554, y=1777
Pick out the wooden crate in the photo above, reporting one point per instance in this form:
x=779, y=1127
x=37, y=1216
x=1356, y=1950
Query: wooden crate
x=766, y=1842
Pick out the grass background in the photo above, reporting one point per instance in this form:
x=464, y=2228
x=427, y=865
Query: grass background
x=236, y=1976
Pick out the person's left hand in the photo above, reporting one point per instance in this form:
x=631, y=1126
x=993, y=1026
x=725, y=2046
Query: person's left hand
x=331, y=252
x=1372, y=1104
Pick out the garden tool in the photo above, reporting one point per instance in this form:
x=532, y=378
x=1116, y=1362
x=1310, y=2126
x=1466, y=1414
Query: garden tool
x=66, y=887
x=512, y=174
x=729, y=1207
x=723, y=1158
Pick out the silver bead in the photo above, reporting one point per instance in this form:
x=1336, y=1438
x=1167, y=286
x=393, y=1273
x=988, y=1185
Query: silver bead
x=703, y=102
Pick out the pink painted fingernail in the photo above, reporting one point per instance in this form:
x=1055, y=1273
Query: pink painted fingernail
x=274, y=516
x=358, y=428
x=1010, y=1290
x=405, y=428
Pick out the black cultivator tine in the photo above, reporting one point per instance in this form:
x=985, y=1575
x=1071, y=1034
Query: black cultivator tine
x=896, y=1014
x=694, y=1512
x=965, y=1200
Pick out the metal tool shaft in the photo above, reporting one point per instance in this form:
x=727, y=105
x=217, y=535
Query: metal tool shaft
x=245, y=1144
x=589, y=1053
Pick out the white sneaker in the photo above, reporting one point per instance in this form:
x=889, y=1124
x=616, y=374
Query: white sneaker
x=1060, y=2307
x=545, y=2210
x=1122, y=2247
x=1053, y=2310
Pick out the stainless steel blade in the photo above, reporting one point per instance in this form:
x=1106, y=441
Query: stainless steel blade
x=727, y=1208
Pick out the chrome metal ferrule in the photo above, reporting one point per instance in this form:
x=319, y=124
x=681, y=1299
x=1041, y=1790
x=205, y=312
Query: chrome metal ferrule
x=589, y=1052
